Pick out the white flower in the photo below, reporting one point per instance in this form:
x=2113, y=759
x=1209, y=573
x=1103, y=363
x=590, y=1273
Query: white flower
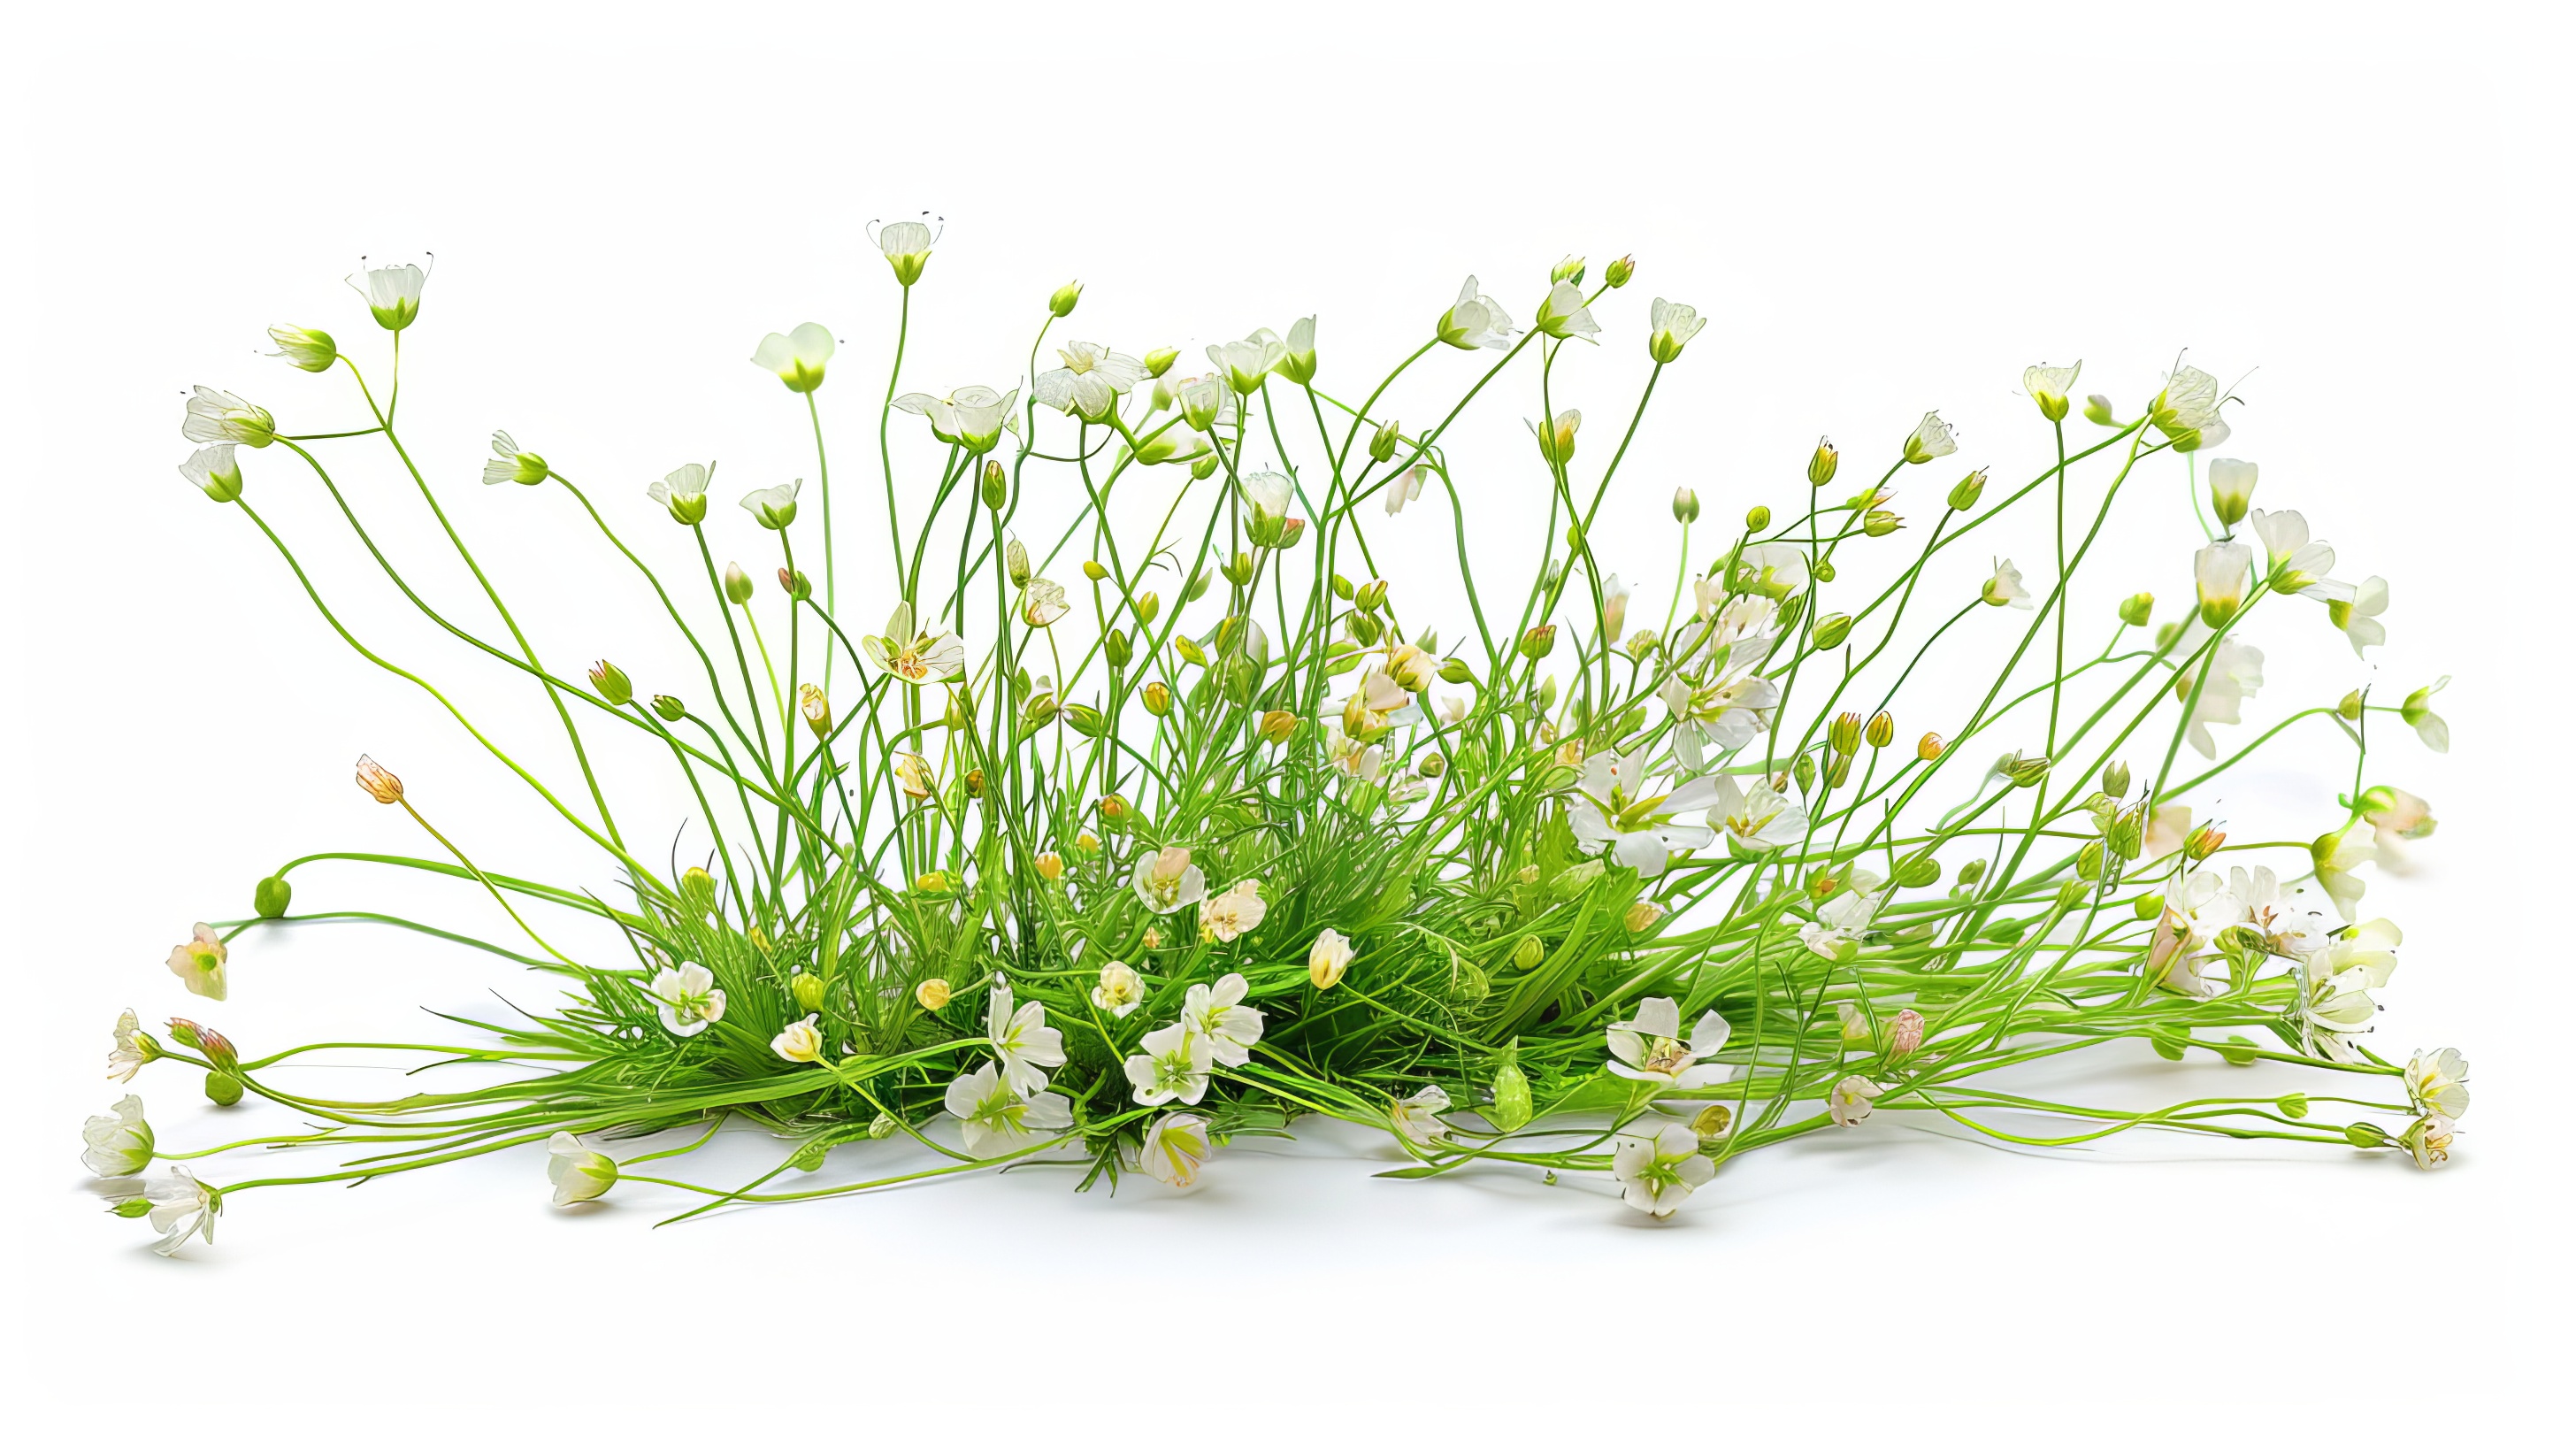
x=689, y=997
x=1268, y=493
x=199, y=962
x=2220, y=571
x=1849, y=1100
x=1233, y=912
x=119, y=1143
x=2358, y=615
x=1656, y=1173
x=1206, y=401
x=219, y=416
x=1563, y=314
x=2336, y=856
x=1845, y=916
x=1166, y=882
x=774, y=506
x=1121, y=992
x=2170, y=961
x=996, y=1117
x=511, y=463
x=1298, y=364
x=2168, y=828
x=2050, y=386
x=2370, y=946
x=131, y=1053
x=1355, y=759
x=1172, y=1069
x=579, y=1174
x=2430, y=1141
x=906, y=245
x=1175, y=1148
x=2235, y=672
x=915, y=655
x=1022, y=1042
x=1476, y=320
x=2231, y=487
x=2332, y=1006
x=800, y=1041
x=1418, y=1117
x=2438, y=1083
x=973, y=417
x=1614, y=609
x=2255, y=900
x=1328, y=959
x=1405, y=488
x=1216, y=1013
x=1090, y=381
x=182, y=1208
x=214, y=471
x=2004, y=588
x=393, y=294
x=2299, y=566
x=1614, y=807
x=1043, y=604
x=1246, y=363
x=1672, y=325
x=1931, y=438
x=2428, y=724
x=2398, y=817
x=1777, y=570
x=1648, y=1047
x=2186, y=411
x=1756, y=820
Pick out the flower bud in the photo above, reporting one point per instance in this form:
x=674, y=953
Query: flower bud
x=1642, y=915
x=1278, y=727
x=669, y=708
x=737, y=584
x=611, y=683
x=1904, y=1034
x=1159, y=360
x=381, y=785
x=2135, y=610
x=1620, y=272
x=1556, y=438
x=1328, y=959
x=1804, y=772
x=1538, y=641
x=2088, y=861
x=1511, y=1111
x=1158, y=699
x=1382, y=445
x=1685, y=505
x=2023, y=771
x=2097, y=409
x=2204, y=840
x=2115, y=779
x=1821, y=466
x=807, y=990
x=271, y=897
x=1920, y=870
x=816, y=707
x=1569, y=269
x=1061, y=303
x=1050, y=866
x=304, y=348
x=1095, y=571
x=1087, y=843
x=2231, y=489
x=1529, y=954
x=974, y=781
x=997, y=485
x=1114, y=809
x=698, y=891
x=1757, y=518
x=1712, y=1121
x=2349, y=709
x=1844, y=734
x=1831, y=629
x=1882, y=730
x=1963, y=497
x=223, y=1089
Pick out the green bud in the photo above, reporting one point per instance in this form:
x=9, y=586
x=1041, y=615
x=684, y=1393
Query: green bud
x=1757, y=518
x=883, y=1126
x=1149, y=605
x=1062, y=302
x=2097, y=409
x=1920, y=870
x=997, y=485
x=1569, y=269
x=1511, y=1099
x=810, y=1156
x=1685, y=505
x=305, y=348
x=1370, y=597
x=2128, y=834
x=1821, y=466
x=698, y=891
x=1456, y=673
x=1538, y=641
x=271, y=897
x=1159, y=360
x=2293, y=1106
x=2364, y=1135
x=1529, y=954
x=807, y=989
x=1620, y=272
x=611, y=684
x=134, y=1207
x=737, y=584
x=2146, y=906
x=1972, y=872
x=1882, y=523
x=1831, y=629
x=2115, y=779
x=1204, y=467
x=1963, y=497
x=2169, y=1045
x=1382, y=445
x=1823, y=570
x=669, y=708
x=1844, y=733
x=1118, y=648
x=1805, y=771
x=2088, y=861
x=223, y=1089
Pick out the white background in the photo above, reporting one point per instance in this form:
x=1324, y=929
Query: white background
x=1880, y=210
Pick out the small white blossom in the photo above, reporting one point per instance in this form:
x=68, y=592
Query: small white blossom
x=1931, y=438
x=906, y=245
x=1245, y=364
x=1656, y=1172
x=579, y=1174
x=2299, y=566
x=1648, y=1047
x=1166, y=881
x=2438, y=1082
x=1175, y=1148
x=1173, y=1068
x=997, y=1117
x=774, y=506
x=2220, y=572
x=1022, y=1042
x=220, y=416
x=1233, y=912
x=2235, y=672
x=1476, y=320
x=2358, y=616
x=1756, y=820
x=1405, y=488
x=1418, y=1117
x=689, y=998
x=1120, y=992
x=1849, y=1102
x=119, y=1143
x=800, y=1041
x=199, y=963
x=1090, y=381
x=1216, y=1013
x=683, y=493
x=2004, y=588
x=2430, y=1141
x=393, y=294
x=973, y=417
x=182, y=1208
x=917, y=656
x=2231, y=487
x=2050, y=386
x=214, y=471
x=1563, y=314
x=1328, y=959
x=2336, y=856
x=511, y=462
x=2186, y=411
x=1671, y=326
x=1615, y=808
x=129, y=1055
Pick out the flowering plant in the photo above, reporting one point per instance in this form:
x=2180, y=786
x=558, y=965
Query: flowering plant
x=1109, y=849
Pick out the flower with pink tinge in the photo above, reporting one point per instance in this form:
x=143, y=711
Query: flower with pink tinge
x=199, y=962
x=1849, y=1101
x=1905, y=1034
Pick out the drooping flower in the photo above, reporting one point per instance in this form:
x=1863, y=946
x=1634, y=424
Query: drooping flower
x=1405, y=488
x=1648, y=1047
x=199, y=962
x=1418, y=1117
x=214, y=471
x=2337, y=855
x=2437, y=1082
x=2358, y=617
x=1232, y=913
x=1475, y=320
x=800, y=1041
x=1120, y=992
x=2430, y=1141
x=2004, y=588
x=377, y=782
x=997, y=1118
x=1564, y=315
x=1022, y=1042
x=118, y=1144
x=304, y=348
x=182, y=1208
x=134, y=1048
x=689, y=998
x=1166, y=881
x=1657, y=1171
x=1616, y=808
x=914, y=654
x=1328, y=959
x=1614, y=609
x=1849, y=1102
x=1175, y=1149
x=2235, y=673
x=220, y=416
x=512, y=463
x=2428, y=724
x=973, y=417
x=579, y=1174
x=1757, y=819
x=1930, y=439
x=1090, y=381
x=2397, y=816
x=1216, y=1013
x=1173, y=1068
